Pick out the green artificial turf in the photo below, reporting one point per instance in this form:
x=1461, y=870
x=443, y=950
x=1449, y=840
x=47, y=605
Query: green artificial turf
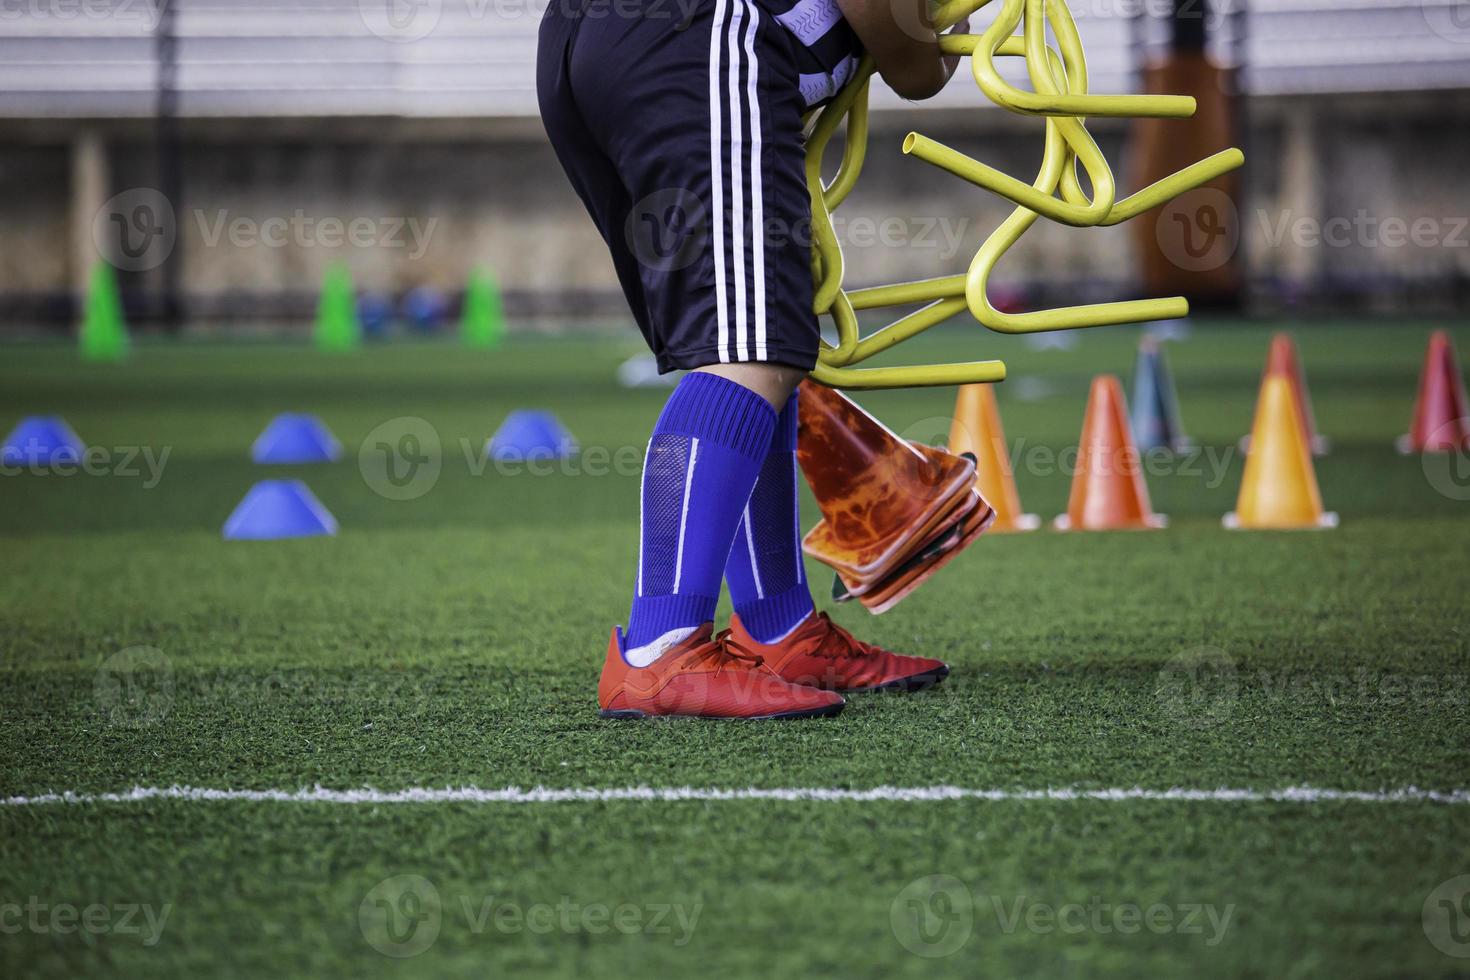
x=454, y=638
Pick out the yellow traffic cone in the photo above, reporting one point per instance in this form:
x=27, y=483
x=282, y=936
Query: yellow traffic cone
x=1279, y=488
x=976, y=430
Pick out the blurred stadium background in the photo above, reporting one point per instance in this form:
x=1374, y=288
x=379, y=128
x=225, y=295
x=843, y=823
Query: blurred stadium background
x=266, y=129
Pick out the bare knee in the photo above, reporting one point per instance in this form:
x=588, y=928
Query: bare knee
x=773, y=382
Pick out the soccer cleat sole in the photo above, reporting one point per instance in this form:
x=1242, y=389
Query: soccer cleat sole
x=905, y=685
x=825, y=711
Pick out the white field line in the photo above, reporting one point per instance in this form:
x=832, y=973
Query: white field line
x=897, y=794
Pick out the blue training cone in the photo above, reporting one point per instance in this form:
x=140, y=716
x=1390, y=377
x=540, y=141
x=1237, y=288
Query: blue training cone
x=1155, y=420
x=1179, y=329
x=292, y=438
x=279, y=509
x=530, y=434
x=42, y=440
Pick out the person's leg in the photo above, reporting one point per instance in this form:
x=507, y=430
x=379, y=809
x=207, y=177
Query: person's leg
x=775, y=618
x=674, y=176
x=710, y=443
x=767, y=582
x=593, y=176
x=706, y=451
x=773, y=382
x=709, y=170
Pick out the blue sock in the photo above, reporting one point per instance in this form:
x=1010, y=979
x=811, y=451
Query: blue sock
x=702, y=462
x=767, y=582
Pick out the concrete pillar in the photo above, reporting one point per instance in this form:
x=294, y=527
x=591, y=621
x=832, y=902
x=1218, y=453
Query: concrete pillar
x=1300, y=200
x=90, y=182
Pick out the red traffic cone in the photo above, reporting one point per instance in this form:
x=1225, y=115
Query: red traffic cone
x=1108, y=492
x=1440, y=423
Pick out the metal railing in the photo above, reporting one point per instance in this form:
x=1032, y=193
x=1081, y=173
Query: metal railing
x=475, y=58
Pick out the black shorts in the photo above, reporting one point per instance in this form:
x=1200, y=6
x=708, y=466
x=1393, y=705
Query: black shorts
x=679, y=124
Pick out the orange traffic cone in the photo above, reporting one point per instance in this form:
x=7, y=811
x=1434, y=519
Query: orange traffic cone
x=1108, y=492
x=1279, y=488
x=877, y=492
x=1440, y=423
x=893, y=512
x=1282, y=360
x=976, y=430
x=975, y=517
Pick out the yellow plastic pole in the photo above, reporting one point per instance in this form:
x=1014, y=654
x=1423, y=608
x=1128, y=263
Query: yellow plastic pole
x=1060, y=103
x=917, y=376
x=904, y=293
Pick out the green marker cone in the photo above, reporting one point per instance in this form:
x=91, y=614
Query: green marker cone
x=482, y=323
x=104, y=333
x=337, y=327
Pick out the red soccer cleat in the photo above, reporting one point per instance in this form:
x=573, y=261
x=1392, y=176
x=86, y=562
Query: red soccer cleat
x=819, y=653
x=705, y=678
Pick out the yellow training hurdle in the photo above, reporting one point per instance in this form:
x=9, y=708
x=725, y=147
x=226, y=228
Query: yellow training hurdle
x=1059, y=81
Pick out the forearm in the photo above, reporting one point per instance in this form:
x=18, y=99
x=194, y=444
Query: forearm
x=904, y=45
